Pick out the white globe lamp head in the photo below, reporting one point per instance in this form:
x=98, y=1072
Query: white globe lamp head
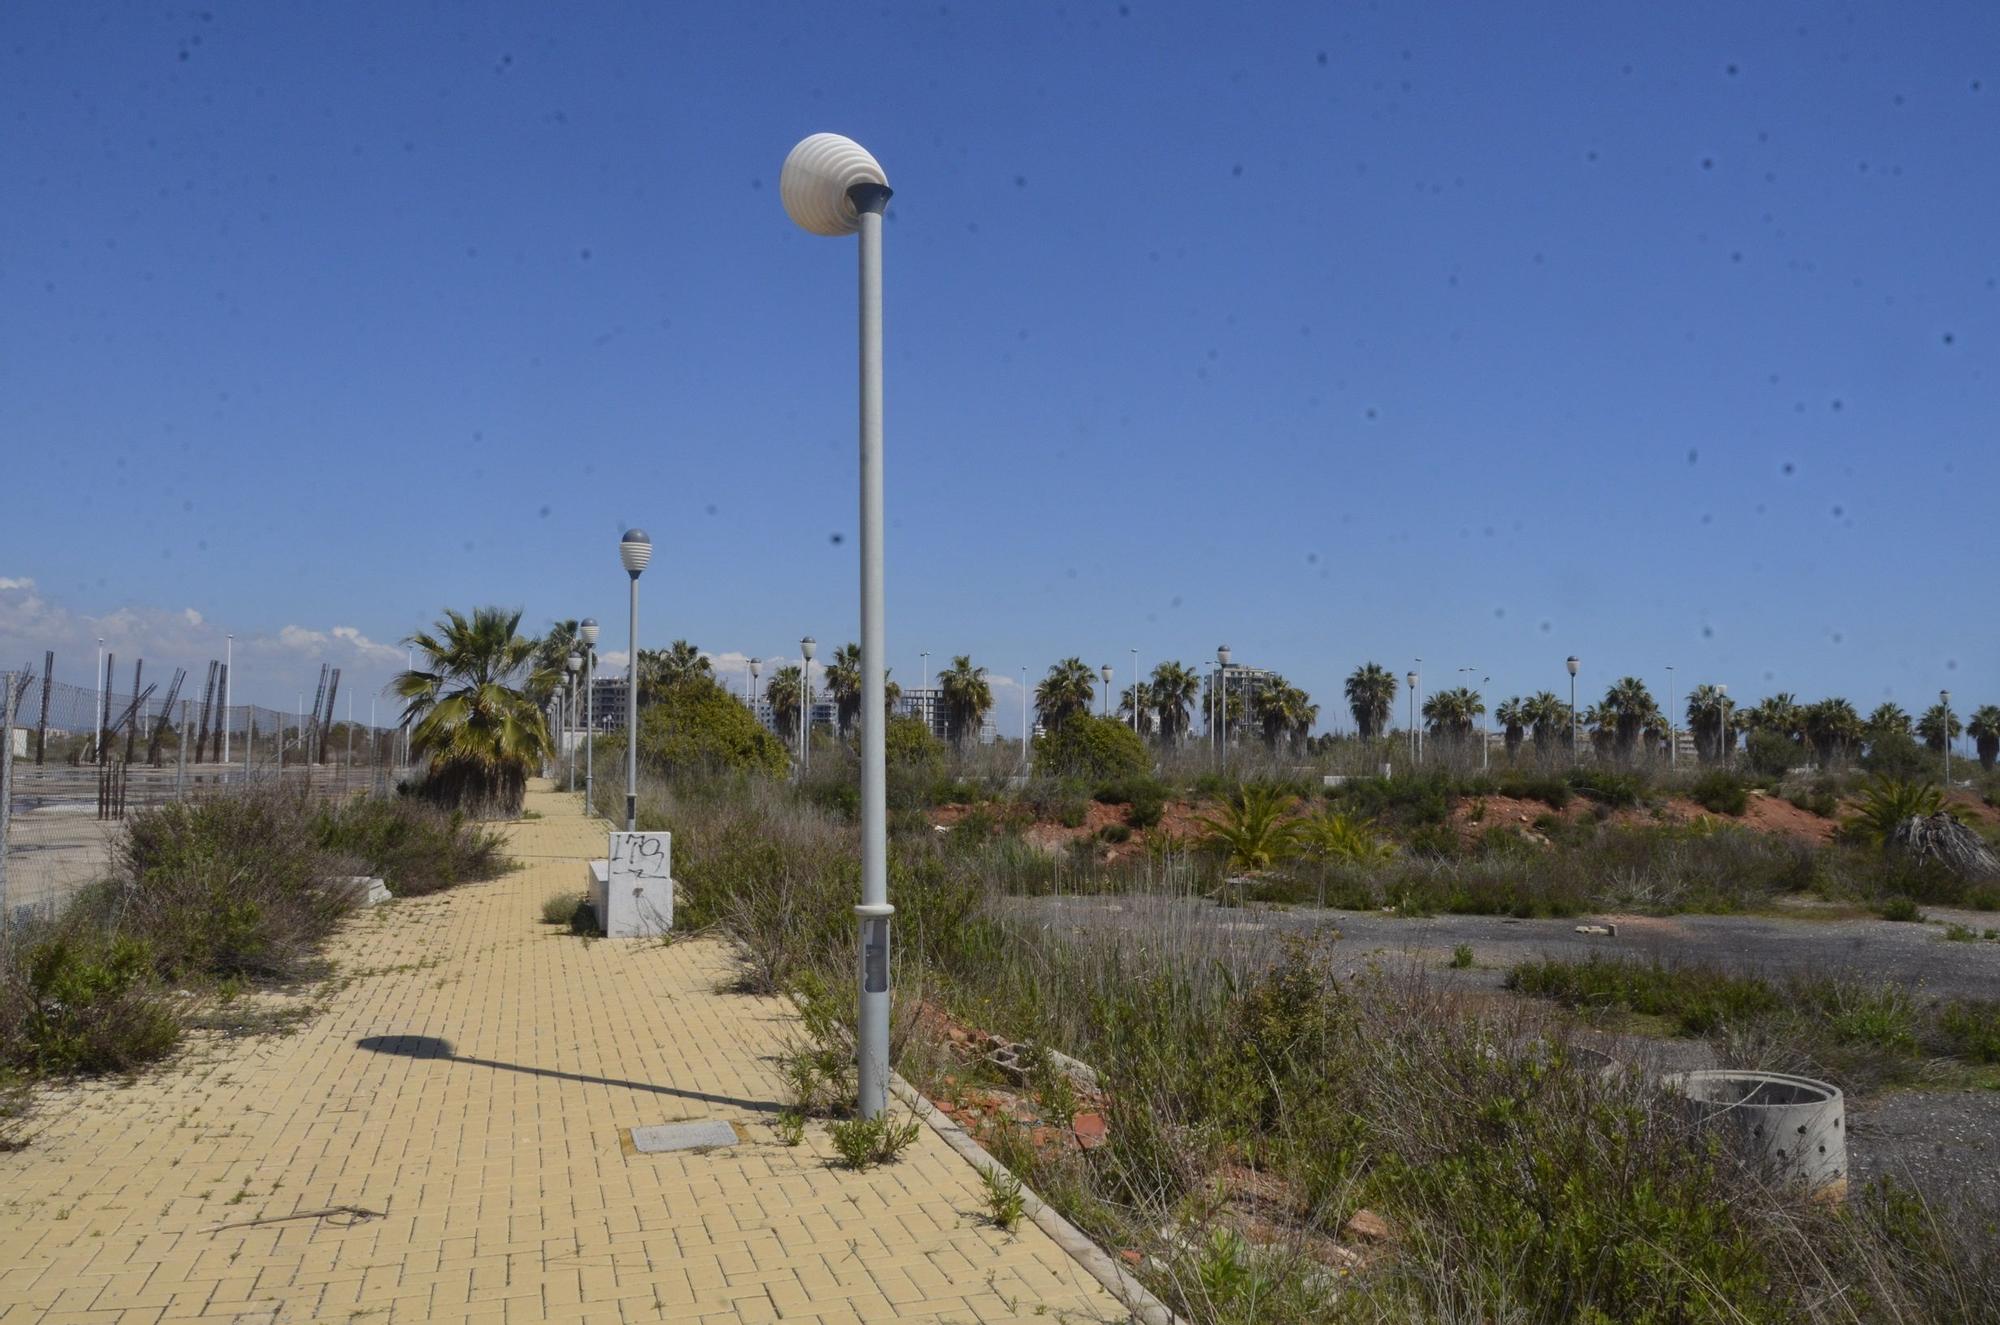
x=636, y=551
x=808, y=647
x=1411, y=679
x=575, y=661
x=818, y=179
x=588, y=630
x=1105, y=672
x=756, y=667
x=1222, y=654
x=1572, y=664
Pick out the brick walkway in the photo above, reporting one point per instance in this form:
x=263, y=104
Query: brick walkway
x=485, y=1126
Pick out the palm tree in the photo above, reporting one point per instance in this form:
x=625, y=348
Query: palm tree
x=470, y=713
x=1512, y=715
x=1139, y=697
x=1628, y=706
x=1253, y=830
x=1985, y=729
x=1173, y=691
x=1451, y=713
x=968, y=698
x=1834, y=729
x=1283, y=711
x=1708, y=710
x=1546, y=712
x=786, y=692
x=1887, y=720
x=1066, y=692
x=1371, y=690
x=660, y=670
x=551, y=665
x=1939, y=725
x=1602, y=725
x=1779, y=713
x=843, y=682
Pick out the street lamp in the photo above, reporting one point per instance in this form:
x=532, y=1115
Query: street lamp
x=1221, y=696
x=97, y=702
x=1572, y=663
x=1673, y=732
x=832, y=186
x=575, y=664
x=229, y=689
x=1944, y=702
x=1106, y=673
x=588, y=630
x=1410, y=679
x=635, y=550
x=1722, y=741
x=807, y=648
x=756, y=667
x=1026, y=704
x=1135, y=690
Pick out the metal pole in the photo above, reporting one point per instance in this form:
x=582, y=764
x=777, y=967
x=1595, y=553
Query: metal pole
x=1024, y=720
x=870, y=201
x=1673, y=732
x=589, y=747
x=7, y=705
x=632, y=714
x=1135, y=690
x=97, y=702
x=229, y=689
x=1572, y=717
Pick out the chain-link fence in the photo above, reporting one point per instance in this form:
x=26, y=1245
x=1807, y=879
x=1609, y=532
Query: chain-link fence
x=76, y=761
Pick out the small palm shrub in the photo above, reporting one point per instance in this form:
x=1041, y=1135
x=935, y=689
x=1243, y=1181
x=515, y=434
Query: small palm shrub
x=1252, y=831
x=1332, y=836
x=1886, y=803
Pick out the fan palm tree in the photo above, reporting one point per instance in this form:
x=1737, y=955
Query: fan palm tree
x=1887, y=720
x=1284, y=712
x=1548, y=715
x=470, y=714
x=1066, y=692
x=1139, y=697
x=1833, y=727
x=660, y=670
x=1780, y=714
x=843, y=682
x=1985, y=730
x=1708, y=710
x=1602, y=725
x=1939, y=725
x=1451, y=714
x=1512, y=715
x=1253, y=831
x=1371, y=691
x=1627, y=708
x=1173, y=689
x=551, y=664
x=786, y=692
x=968, y=698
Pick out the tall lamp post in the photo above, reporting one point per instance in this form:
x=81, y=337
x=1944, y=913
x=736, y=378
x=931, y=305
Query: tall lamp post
x=1722, y=741
x=1572, y=664
x=569, y=722
x=635, y=550
x=832, y=186
x=1944, y=702
x=756, y=667
x=1673, y=731
x=229, y=690
x=1410, y=680
x=807, y=648
x=1135, y=690
x=97, y=702
x=1221, y=688
x=1417, y=702
x=588, y=630
x=1027, y=702
x=1106, y=672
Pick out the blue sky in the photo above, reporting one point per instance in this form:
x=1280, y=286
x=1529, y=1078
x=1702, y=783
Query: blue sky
x=1485, y=334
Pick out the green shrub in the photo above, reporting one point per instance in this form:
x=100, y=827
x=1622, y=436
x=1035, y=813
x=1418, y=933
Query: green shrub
x=81, y=1000
x=1900, y=909
x=1608, y=788
x=1898, y=755
x=865, y=1142
x=1115, y=833
x=912, y=748
x=1549, y=788
x=1720, y=792
x=413, y=848
x=697, y=726
x=1146, y=812
x=1425, y=798
x=1698, y=998
x=561, y=908
x=1252, y=832
x=1091, y=748
x=1770, y=755
x=1972, y=1029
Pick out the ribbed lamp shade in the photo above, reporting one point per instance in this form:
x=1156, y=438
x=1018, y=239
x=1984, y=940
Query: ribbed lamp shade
x=635, y=550
x=816, y=178
x=588, y=630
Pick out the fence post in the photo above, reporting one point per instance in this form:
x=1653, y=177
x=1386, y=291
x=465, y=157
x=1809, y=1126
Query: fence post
x=6, y=791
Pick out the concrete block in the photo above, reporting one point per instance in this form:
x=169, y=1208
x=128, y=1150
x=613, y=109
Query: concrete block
x=367, y=891
x=702, y=1134
x=638, y=886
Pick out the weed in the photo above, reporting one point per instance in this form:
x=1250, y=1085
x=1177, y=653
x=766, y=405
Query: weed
x=1006, y=1202
x=864, y=1142
x=790, y=1127
x=1899, y=908
x=561, y=908
x=1957, y=933
x=1461, y=957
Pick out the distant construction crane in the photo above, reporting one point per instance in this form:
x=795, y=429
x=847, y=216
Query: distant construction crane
x=326, y=722
x=166, y=715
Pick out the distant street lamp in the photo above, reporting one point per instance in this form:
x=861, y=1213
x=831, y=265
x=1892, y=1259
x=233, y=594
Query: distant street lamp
x=588, y=630
x=1573, y=665
x=1417, y=703
x=1410, y=679
x=229, y=691
x=636, y=551
x=1220, y=693
x=97, y=702
x=756, y=666
x=1135, y=690
x=1673, y=732
x=807, y=647
x=1026, y=704
x=1722, y=741
x=1944, y=702
x=575, y=664
x=1106, y=672
x=832, y=186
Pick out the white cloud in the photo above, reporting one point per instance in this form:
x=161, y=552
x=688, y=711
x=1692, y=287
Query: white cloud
x=368, y=648
x=301, y=639
x=192, y=617
x=614, y=658
x=16, y=582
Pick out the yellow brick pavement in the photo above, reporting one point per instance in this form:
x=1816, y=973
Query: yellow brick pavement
x=468, y=1075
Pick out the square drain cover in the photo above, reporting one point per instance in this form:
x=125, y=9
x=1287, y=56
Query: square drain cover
x=702, y=1134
